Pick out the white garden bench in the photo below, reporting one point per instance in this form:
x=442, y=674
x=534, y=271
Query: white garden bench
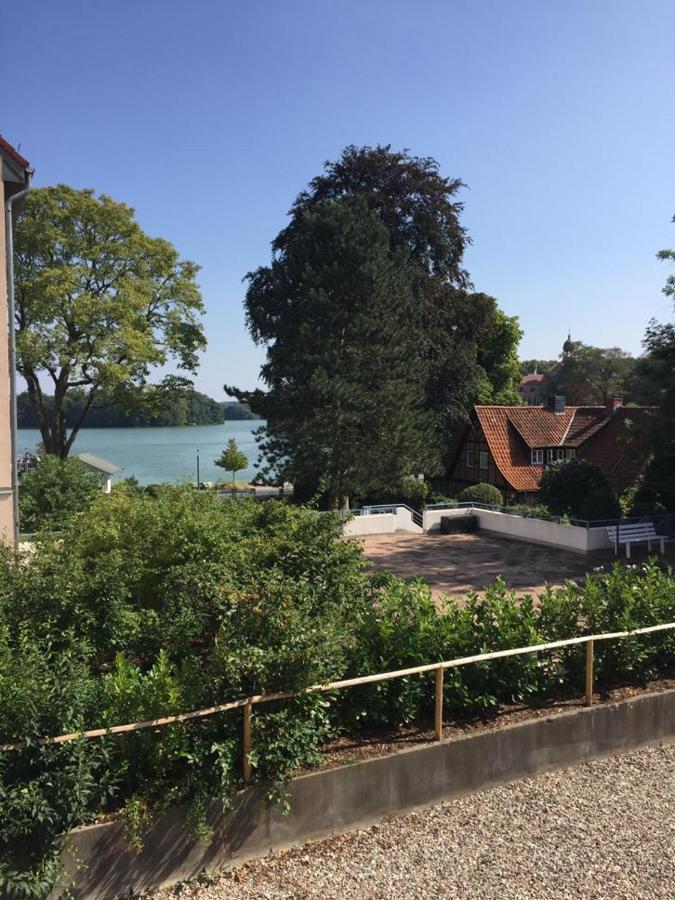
x=635, y=533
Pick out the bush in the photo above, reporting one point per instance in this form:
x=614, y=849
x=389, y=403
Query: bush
x=578, y=488
x=482, y=493
x=531, y=512
x=156, y=604
x=54, y=491
x=414, y=492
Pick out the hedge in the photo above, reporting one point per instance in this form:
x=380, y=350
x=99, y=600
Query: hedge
x=154, y=605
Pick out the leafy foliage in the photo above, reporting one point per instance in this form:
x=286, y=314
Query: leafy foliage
x=590, y=376
x=157, y=603
x=656, y=374
x=463, y=346
x=344, y=409
x=482, y=493
x=532, y=366
x=55, y=491
x=98, y=303
x=578, y=488
x=232, y=459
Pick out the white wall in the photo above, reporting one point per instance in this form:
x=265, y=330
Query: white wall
x=381, y=523
x=431, y=518
x=569, y=537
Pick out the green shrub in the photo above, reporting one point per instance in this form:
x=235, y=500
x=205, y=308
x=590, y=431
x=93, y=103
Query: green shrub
x=482, y=493
x=531, y=512
x=156, y=604
x=55, y=491
x=578, y=488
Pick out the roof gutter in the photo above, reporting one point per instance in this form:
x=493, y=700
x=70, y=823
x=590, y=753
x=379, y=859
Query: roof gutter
x=9, y=232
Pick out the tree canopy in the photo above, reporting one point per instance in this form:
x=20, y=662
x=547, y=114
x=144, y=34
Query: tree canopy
x=232, y=459
x=98, y=304
x=532, y=366
x=589, y=376
x=419, y=209
x=578, y=488
x=656, y=377
x=335, y=310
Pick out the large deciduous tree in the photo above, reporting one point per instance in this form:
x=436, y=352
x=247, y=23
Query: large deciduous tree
x=656, y=376
x=589, y=376
x=421, y=213
x=98, y=304
x=335, y=309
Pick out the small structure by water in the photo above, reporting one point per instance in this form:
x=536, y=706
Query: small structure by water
x=102, y=467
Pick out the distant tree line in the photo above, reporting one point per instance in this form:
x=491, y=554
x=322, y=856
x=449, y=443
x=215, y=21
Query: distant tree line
x=185, y=408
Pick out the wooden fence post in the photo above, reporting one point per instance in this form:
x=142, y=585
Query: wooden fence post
x=247, y=742
x=438, y=712
x=589, y=673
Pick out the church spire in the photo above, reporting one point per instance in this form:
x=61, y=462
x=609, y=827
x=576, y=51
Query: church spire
x=567, y=346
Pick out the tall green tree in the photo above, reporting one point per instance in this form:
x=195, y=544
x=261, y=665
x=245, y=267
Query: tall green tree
x=98, y=304
x=419, y=208
x=589, y=376
x=335, y=310
x=498, y=358
x=656, y=377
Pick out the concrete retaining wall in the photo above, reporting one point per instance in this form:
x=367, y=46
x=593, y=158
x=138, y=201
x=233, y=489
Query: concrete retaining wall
x=536, y=531
x=339, y=799
x=431, y=518
x=382, y=523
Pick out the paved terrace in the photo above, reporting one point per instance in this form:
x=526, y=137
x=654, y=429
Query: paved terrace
x=459, y=563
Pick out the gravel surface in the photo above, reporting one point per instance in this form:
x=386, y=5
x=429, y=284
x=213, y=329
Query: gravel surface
x=602, y=829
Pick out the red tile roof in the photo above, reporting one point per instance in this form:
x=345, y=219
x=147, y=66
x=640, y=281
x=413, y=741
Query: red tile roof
x=16, y=156
x=512, y=431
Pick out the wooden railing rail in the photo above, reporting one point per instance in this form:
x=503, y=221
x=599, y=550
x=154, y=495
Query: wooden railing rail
x=247, y=703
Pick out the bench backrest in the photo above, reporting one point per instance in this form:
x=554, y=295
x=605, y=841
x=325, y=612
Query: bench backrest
x=634, y=531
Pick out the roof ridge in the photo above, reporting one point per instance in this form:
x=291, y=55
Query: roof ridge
x=16, y=156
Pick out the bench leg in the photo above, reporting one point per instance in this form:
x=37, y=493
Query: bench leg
x=649, y=546
x=628, y=551
x=663, y=546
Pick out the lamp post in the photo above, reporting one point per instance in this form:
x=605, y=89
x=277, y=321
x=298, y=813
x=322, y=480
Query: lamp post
x=198, y=481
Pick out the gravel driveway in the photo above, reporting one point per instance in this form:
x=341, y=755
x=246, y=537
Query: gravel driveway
x=602, y=829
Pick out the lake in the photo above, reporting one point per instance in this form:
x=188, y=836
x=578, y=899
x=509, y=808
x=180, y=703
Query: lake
x=161, y=454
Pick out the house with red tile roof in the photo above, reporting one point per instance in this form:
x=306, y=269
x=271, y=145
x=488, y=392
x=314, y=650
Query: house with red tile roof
x=509, y=446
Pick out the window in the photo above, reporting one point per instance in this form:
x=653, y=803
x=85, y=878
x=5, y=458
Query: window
x=483, y=459
x=537, y=457
x=560, y=453
x=550, y=455
x=470, y=457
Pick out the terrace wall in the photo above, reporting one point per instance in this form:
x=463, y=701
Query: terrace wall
x=335, y=800
x=537, y=531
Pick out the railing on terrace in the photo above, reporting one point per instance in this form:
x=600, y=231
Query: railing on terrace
x=383, y=508
x=247, y=703
x=660, y=520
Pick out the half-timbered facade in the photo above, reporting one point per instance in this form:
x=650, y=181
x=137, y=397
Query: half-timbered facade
x=509, y=446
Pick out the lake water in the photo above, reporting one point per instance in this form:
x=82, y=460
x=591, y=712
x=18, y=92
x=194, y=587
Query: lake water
x=161, y=454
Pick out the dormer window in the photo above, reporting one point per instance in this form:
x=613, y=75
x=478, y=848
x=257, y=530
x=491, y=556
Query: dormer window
x=537, y=458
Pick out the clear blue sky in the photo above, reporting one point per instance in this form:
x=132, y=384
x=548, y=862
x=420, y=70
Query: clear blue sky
x=208, y=117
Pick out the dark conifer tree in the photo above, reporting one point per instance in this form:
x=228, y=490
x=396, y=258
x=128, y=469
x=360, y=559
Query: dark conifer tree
x=345, y=394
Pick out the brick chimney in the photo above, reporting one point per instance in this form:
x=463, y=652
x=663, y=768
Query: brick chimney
x=556, y=403
x=612, y=405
